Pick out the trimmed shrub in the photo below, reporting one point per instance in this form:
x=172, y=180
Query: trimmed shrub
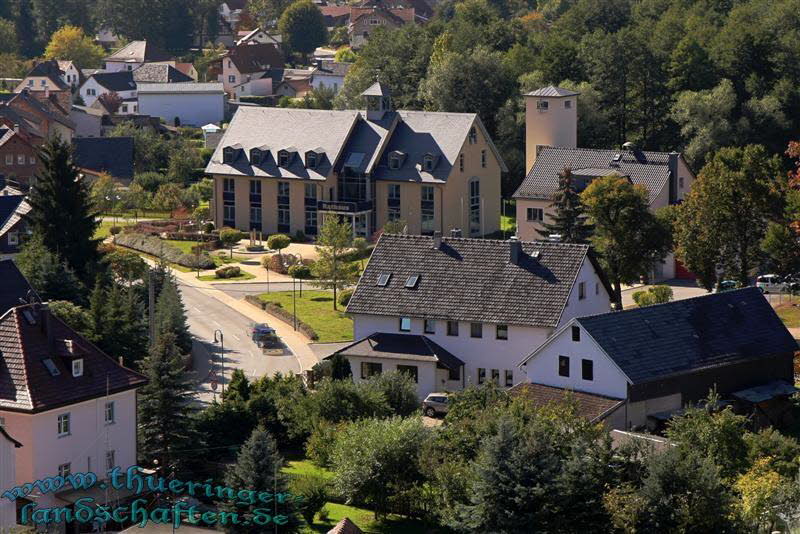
x=275, y=309
x=278, y=242
x=230, y=271
x=279, y=263
x=343, y=298
x=300, y=271
x=114, y=230
x=158, y=248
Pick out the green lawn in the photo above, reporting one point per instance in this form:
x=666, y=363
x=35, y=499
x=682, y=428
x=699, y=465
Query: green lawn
x=364, y=519
x=212, y=278
x=789, y=314
x=316, y=310
x=185, y=246
x=307, y=468
x=151, y=257
x=104, y=229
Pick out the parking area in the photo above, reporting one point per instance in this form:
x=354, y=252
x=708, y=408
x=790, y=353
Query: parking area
x=681, y=289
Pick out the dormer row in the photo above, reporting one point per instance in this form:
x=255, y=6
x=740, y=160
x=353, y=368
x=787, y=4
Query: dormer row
x=397, y=158
x=285, y=157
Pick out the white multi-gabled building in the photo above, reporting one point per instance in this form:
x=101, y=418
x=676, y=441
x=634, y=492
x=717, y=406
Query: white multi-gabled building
x=454, y=311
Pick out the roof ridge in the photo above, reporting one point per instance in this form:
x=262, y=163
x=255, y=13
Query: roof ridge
x=620, y=150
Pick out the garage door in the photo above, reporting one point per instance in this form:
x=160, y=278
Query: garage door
x=682, y=273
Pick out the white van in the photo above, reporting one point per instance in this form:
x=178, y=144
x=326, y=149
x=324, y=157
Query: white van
x=770, y=283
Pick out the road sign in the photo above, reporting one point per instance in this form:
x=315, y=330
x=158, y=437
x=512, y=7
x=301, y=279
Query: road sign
x=214, y=385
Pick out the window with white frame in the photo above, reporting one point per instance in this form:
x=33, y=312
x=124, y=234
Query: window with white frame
x=64, y=470
x=63, y=424
x=405, y=324
x=20, y=159
x=581, y=290
x=110, y=460
x=9, y=159
x=483, y=158
x=109, y=413
x=535, y=214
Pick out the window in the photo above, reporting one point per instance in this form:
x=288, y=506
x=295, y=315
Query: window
x=567, y=104
x=430, y=326
x=64, y=470
x=581, y=290
x=284, y=219
x=481, y=375
x=535, y=214
x=576, y=333
x=255, y=217
x=231, y=79
x=427, y=193
x=412, y=281
x=311, y=220
x=501, y=331
x=311, y=160
x=63, y=424
x=452, y=328
x=427, y=163
x=9, y=159
x=383, y=279
x=369, y=369
x=496, y=376
x=473, y=136
x=483, y=158
x=283, y=189
x=43, y=83
x=124, y=108
x=405, y=324
x=461, y=162
x=474, y=207
x=680, y=182
x=13, y=238
x=110, y=461
x=563, y=366
x=542, y=105
x=475, y=330
x=283, y=158
x=229, y=215
x=394, y=191
x=20, y=159
x=30, y=83
x=410, y=370
x=32, y=160
x=509, y=378
x=394, y=162
x=311, y=192
x=255, y=157
x=109, y=413
x=587, y=369
x=454, y=374
x=227, y=157
x=77, y=367
x=255, y=187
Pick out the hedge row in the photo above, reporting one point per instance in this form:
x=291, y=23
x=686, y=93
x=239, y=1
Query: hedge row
x=156, y=247
x=355, y=255
x=276, y=310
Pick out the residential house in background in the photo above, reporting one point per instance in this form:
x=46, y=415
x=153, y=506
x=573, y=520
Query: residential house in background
x=119, y=82
x=259, y=36
x=335, y=15
x=231, y=10
x=95, y=156
x=187, y=69
x=484, y=303
x=329, y=74
x=42, y=118
x=363, y=20
x=159, y=73
x=653, y=361
x=72, y=75
x=45, y=82
x=286, y=170
x=73, y=406
x=134, y=55
x=18, y=155
x=248, y=62
x=187, y=104
x=293, y=87
x=13, y=225
x=88, y=121
x=551, y=127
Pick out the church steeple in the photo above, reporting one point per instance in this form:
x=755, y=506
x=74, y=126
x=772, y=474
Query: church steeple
x=379, y=101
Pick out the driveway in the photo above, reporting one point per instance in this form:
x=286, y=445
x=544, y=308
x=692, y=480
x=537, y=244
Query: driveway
x=681, y=289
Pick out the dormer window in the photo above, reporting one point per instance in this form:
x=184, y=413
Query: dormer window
x=283, y=158
x=428, y=162
x=311, y=160
x=228, y=153
x=77, y=367
x=256, y=156
x=395, y=160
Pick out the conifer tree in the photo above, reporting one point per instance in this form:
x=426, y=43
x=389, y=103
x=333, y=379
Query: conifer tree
x=47, y=273
x=569, y=221
x=258, y=468
x=61, y=209
x=165, y=413
x=238, y=388
x=171, y=316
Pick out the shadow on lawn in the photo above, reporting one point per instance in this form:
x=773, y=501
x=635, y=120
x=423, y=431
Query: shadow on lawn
x=322, y=299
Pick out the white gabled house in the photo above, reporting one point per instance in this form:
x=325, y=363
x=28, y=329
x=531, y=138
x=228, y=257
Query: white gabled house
x=426, y=302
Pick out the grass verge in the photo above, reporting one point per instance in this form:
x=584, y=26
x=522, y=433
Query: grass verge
x=212, y=278
x=315, y=308
x=789, y=314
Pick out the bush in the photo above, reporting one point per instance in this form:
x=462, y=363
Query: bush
x=158, y=248
x=275, y=309
x=300, y=237
x=208, y=227
x=278, y=242
x=355, y=255
x=343, y=299
x=314, y=493
x=230, y=271
x=279, y=263
x=319, y=446
x=114, y=230
x=653, y=295
x=300, y=271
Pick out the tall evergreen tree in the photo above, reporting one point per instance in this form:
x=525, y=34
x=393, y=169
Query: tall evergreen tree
x=569, y=222
x=165, y=412
x=258, y=468
x=171, y=316
x=61, y=209
x=48, y=274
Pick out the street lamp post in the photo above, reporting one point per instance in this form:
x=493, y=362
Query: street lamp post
x=221, y=356
x=294, y=304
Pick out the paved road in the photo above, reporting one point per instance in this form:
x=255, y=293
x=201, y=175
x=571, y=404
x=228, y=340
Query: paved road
x=206, y=314
x=681, y=289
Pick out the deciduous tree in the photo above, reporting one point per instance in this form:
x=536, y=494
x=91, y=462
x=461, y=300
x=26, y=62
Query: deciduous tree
x=70, y=43
x=334, y=238
x=303, y=27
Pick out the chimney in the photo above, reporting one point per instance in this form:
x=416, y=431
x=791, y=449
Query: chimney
x=515, y=249
x=437, y=239
x=46, y=320
x=16, y=127
x=455, y=232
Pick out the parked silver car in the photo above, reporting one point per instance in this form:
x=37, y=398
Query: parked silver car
x=434, y=404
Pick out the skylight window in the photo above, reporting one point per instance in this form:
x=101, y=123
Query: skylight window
x=51, y=367
x=412, y=281
x=535, y=254
x=383, y=279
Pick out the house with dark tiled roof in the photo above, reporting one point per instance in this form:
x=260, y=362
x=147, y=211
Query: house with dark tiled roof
x=135, y=54
x=285, y=170
x=365, y=19
x=13, y=225
x=120, y=83
x=105, y=155
x=551, y=132
x=70, y=404
x=15, y=289
x=47, y=80
x=248, y=62
x=455, y=311
x=657, y=359
x=329, y=74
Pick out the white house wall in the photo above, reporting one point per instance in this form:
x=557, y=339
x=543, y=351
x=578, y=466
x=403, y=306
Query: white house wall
x=543, y=368
x=192, y=109
x=597, y=299
x=426, y=373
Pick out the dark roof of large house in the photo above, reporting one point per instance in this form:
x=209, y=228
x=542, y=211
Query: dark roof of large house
x=256, y=58
x=139, y=52
x=113, y=155
x=159, y=73
x=589, y=405
x=116, y=81
x=650, y=169
x=14, y=287
x=470, y=280
x=332, y=68
x=402, y=347
x=49, y=69
x=686, y=335
x=36, y=367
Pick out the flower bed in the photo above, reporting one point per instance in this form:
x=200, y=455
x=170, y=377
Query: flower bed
x=156, y=247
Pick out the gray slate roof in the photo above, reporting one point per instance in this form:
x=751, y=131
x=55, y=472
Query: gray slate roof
x=113, y=155
x=686, y=335
x=542, y=180
x=159, y=73
x=401, y=347
x=116, y=81
x=376, y=89
x=14, y=287
x=139, y=52
x=206, y=87
x=469, y=280
x=551, y=90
